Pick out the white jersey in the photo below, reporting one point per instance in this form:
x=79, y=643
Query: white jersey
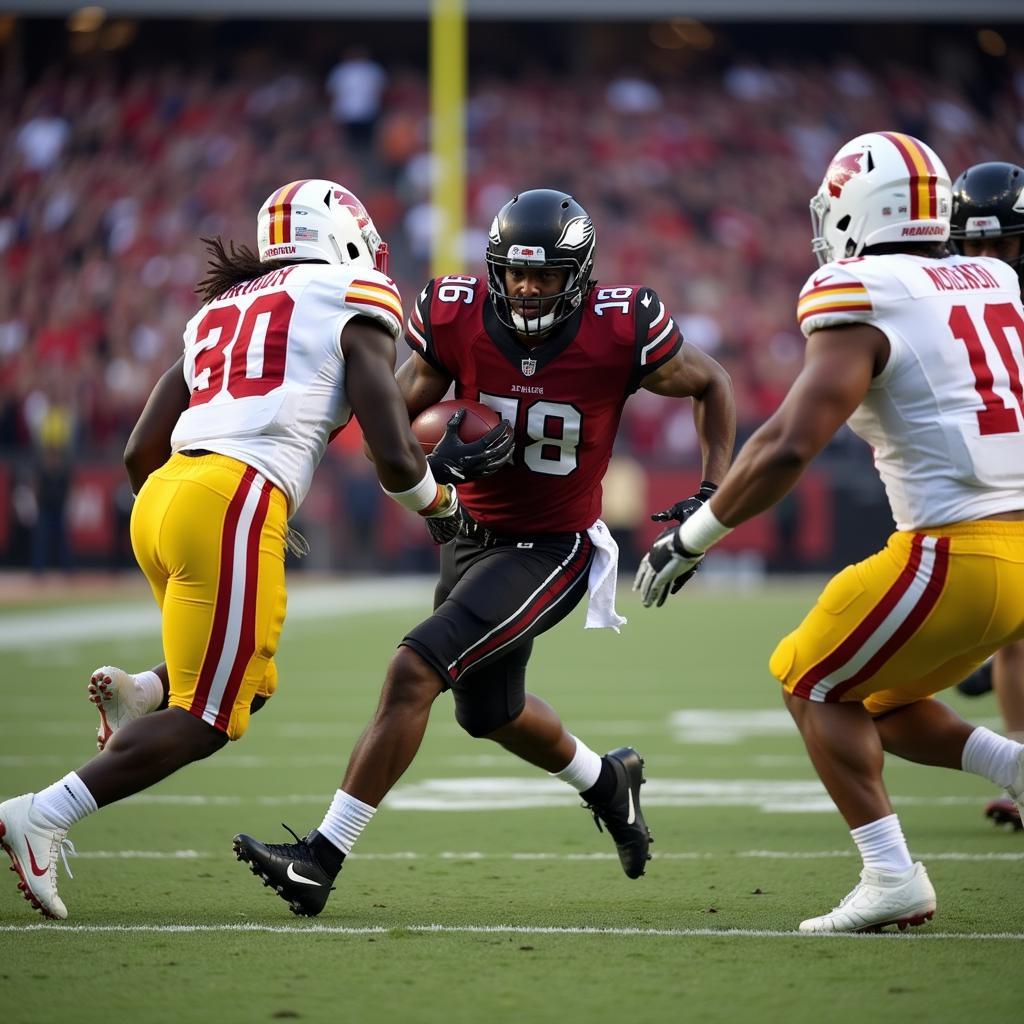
x=945, y=417
x=264, y=364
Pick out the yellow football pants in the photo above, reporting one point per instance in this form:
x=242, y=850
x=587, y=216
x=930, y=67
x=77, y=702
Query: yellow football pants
x=209, y=533
x=914, y=619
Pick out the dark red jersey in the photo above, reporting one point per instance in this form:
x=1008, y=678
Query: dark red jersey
x=563, y=397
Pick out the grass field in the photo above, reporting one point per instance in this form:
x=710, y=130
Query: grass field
x=481, y=891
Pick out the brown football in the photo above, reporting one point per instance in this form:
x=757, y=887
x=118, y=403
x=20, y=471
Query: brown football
x=429, y=426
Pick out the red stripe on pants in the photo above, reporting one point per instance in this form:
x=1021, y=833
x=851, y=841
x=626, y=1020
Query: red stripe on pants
x=220, y=614
x=547, y=598
x=247, y=636
x=874, y=618
x=907, y=628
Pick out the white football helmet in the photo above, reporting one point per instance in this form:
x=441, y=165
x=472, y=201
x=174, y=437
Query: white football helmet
x=880, y=187
x=317, y=219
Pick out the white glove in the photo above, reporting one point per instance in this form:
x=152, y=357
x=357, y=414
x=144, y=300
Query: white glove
x=665, y=568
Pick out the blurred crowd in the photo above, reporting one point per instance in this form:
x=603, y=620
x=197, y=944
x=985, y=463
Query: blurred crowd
x=698, y=185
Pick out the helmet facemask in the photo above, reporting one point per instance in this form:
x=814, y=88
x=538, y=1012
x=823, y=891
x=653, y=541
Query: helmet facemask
x=560, y=306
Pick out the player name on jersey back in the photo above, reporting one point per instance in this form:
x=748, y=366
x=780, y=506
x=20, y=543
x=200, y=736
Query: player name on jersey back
x=945, y=417
x=264, y=364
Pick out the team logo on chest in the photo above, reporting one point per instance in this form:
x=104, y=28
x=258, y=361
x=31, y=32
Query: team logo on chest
x=529, y=367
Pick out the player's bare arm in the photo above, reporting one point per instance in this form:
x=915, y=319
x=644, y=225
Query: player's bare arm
x=421, y=384
x=370, y=384
x=149, y=446
x=693, y=374
x=838, y=367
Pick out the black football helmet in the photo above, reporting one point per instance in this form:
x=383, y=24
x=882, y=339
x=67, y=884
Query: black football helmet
x=540, y=228
x=988, y=202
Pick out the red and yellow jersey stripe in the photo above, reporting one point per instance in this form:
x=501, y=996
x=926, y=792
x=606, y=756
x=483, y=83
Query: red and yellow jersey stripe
x=376, y=295
x=847, y=297
x=923, y=204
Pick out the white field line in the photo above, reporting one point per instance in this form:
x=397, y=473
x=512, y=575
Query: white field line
x=405, y=855
x=502, y=929
x=122, y=620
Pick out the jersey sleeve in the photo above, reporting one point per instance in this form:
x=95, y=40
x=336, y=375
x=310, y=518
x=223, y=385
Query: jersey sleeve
x=419, y=332
x=372, y=294
x=833, y=295
x=657, y=337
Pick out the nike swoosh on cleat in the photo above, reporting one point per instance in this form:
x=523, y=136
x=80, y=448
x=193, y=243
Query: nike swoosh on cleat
x=36, y=870
x=631, y=817
x=296, y=877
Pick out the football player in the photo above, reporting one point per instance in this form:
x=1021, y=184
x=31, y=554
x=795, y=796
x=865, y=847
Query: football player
x=557, y=356
x=922, y=352
x=988, y=220
x=289, y=342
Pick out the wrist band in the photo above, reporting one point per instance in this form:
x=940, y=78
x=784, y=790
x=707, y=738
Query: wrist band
x=702, y=530
x=423, y=496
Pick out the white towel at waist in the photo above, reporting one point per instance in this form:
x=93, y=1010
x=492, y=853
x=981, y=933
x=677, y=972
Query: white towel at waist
x=601, y=613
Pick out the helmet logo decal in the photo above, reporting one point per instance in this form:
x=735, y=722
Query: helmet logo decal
x=346, y=199
x=840, y=171
x=527, y=253
x=578, y=233
x=494, y=235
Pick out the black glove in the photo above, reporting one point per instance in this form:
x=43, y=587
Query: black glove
x=454, y=461
x=682, y=510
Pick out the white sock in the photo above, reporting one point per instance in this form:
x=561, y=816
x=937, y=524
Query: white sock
x=65, y=802
x=345, y=820
x=583, y=770
x=882, y=846
x=151, y=687
x=991, y=756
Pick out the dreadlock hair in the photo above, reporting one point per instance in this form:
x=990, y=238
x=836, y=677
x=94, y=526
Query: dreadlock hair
x=232, y=265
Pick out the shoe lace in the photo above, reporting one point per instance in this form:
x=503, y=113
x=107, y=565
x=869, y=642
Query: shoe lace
x=63, y=846
x=299, y=849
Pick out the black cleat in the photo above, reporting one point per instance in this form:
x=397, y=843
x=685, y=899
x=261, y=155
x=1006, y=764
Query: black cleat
x=978, y=683
x=290, y=869
x=622, y=817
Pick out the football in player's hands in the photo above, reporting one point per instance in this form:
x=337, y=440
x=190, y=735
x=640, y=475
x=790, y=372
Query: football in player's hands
x=429, y=426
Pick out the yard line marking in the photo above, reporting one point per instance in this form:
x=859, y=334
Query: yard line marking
x=450, y=929
x=945, y=855
x=134, y=619
x=508, y=793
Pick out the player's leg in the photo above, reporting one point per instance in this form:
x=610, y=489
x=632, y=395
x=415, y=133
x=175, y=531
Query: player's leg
x=1008, y=683
x=860, y=623
x=120, y=697
x=489, y=684
x=202, y=590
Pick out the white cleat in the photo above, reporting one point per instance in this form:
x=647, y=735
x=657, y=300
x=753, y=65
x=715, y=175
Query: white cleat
x=118, y=698
x=880, y=899
x=1016, y=790
x=33, y=846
